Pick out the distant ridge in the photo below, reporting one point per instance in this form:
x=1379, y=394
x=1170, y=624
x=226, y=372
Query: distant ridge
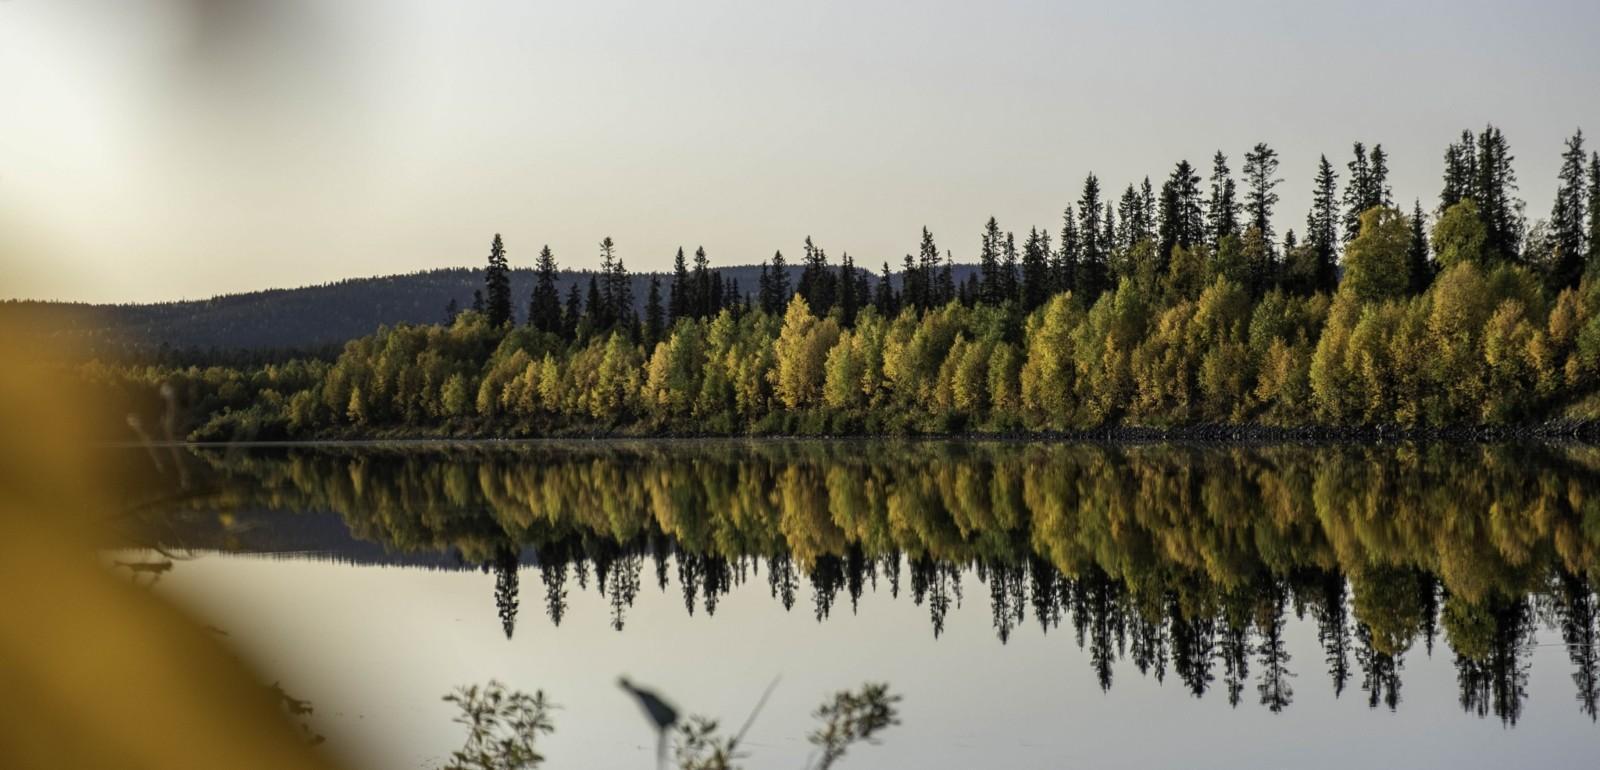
x=311, y=317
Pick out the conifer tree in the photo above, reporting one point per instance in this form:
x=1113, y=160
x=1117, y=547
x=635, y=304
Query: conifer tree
x=989, y=262
x=1417, y=254
x=817, y=282
x=544, y=306
x=654, y=323
x=1261, y=174
x=594, y=310
x=1378, y=182
x=1594, y=215
x=1568, y=220
x=1496, y=185
x=1064, y=266
x=922, y=279
x=1008, y=269
x=884, y=299
x=701, y=297
x=1322, y=229
x=946, y=285
x=1357, y=191
x=1182, y=215
x=777, y=296
x=451, y=310
x=573, y=313
x=1460, y=171
x=497, y=285
x=1222, y=207
x=1035, y=271
x=1091, y=270
x=477, y=300
x=848, y=305
x=679, y=300
x=913, y=286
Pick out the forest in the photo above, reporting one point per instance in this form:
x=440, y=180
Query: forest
x=1161, y=307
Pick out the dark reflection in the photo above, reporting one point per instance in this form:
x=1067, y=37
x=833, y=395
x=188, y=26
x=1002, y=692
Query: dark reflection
x=1180, y=559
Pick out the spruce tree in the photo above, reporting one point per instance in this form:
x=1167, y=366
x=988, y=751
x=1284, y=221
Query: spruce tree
x=1322, y=229
x=702, y=302
x=1594, y=215
x=654, y=323
x=1496, y=185
x=544, y=306
x=1222, y=207
x=451, y=310
x=780, y=285
x=817, y=282
x=572, y=314
x=678, y=298
x=989, y=263
x=477, y=300
x=1008, y=269
x=1357, y=192
x=1261, y=174
x=1091, y=272
x=1460, y=171
x=497, y=285
x=594, y=310
x=1035, y=271
x=1378, y=179
x=1064, y=266
x=1417, y=254
x=945, y=287
x=1568, y=220
x=1182, y=213
x=913, y=286
x=884, y=299
x=918, y=286
x=848, y=306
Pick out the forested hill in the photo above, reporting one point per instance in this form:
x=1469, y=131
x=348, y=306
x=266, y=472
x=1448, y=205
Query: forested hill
x=311, y=317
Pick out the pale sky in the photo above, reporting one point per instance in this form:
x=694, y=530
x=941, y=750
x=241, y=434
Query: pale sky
x=166, y=149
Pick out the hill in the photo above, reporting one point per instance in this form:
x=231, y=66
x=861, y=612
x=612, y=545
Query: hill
x=306, y=319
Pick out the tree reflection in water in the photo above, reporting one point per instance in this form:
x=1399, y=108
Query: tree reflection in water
x=1177, y=558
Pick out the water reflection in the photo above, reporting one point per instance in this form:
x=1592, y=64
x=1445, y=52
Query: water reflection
x=1180, y=560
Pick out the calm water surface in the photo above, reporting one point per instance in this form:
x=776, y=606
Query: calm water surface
x=1036, y=605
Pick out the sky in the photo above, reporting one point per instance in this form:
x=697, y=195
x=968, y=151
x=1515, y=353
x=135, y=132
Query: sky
x=155, y=150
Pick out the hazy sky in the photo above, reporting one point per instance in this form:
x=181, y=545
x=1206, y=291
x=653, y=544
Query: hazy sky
x=164, y=149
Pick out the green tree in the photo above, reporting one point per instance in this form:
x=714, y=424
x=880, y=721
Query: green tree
x=1568, y=217
x=1375, y=262
x=544, y=307
x=1460, y=236
x=497, y=285
x=1222, y=207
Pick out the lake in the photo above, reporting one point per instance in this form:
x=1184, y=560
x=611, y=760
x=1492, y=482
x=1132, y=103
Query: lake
x=1036, y=605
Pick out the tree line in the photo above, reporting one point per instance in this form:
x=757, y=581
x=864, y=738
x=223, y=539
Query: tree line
x=1158, y=307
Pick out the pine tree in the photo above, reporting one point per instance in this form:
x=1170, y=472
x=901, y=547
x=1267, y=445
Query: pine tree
x=945, y=289
x=1261, y=174
x=1064, y=266
x=816, y=280
x=989, y=263
x=1460, y=171
x=1322, y=233
x=1496, y=184
x=1594, y=215
x=679, y=301
x=616, y=290
x=1093, y=261
x=497, y=285
x=1035, y=271
x=1378, y=180
x=884, y=299
x=1182, y=215
x=1568, y=218
x=848, y=298
x=572, y=314
x=1417, y=254
x=1222, y=207
x=780, y=286
x=701, y=300
x=1357, y=192
x=544, y=306
x=918, y=285
x=1008, y=269
x=654, y=323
